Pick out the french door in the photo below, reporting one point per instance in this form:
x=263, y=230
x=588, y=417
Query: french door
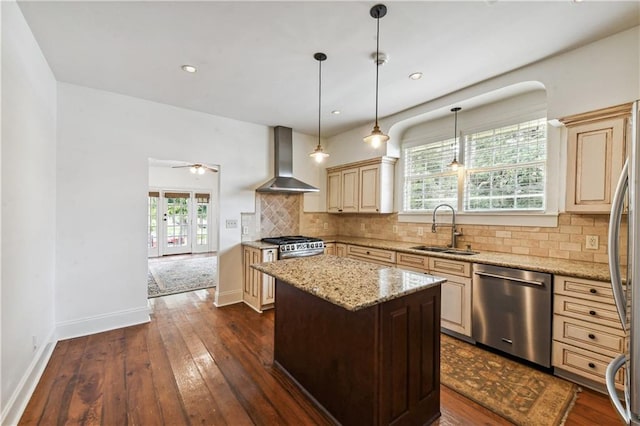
x=178, y=222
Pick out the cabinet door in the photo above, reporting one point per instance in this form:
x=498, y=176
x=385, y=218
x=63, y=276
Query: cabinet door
x=341, y=250
x=456, y=304
x=252, y=277
x=268, y=282
x=595, y=158
x=334, y=192
x=330, y=248
x=350, y=189
x=369, y=189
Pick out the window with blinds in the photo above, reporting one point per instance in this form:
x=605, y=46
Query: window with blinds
x=428, y=179
x=505, y=168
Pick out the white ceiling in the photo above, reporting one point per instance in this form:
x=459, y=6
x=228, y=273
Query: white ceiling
x=255, y=59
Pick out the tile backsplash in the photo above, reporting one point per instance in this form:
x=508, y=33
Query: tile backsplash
x=565, y=241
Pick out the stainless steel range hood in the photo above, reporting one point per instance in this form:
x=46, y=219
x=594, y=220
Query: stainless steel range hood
x=284, y=180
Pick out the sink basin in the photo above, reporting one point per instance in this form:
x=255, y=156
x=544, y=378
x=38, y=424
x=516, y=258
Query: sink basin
x=446, y=250
x=430, y=248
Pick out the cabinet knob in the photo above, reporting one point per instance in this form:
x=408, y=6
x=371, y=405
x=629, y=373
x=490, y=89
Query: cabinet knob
x=368, y=252
x=593, y=291
x=592, y=336
x=592, y=365
x=592, y=312
x=339, y=210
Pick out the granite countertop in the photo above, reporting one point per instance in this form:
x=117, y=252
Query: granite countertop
x=573, y=268
x=349, y=283
x=259, y=245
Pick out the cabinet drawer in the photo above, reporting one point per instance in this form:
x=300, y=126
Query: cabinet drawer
x=447, y=266
x=593, y=337
x=413, y=261
x=371, y=254
x=597, y=291
x=602, y=313
x=584, y=363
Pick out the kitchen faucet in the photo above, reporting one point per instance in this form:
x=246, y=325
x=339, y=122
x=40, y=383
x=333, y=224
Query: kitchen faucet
x=454, y=231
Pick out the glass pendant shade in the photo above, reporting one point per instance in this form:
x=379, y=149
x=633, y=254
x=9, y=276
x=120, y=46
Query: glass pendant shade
x=319, y=154
x=376, y=138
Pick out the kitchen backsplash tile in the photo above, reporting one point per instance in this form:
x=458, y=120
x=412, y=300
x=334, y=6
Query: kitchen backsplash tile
x=279, y=214
x=566, y=241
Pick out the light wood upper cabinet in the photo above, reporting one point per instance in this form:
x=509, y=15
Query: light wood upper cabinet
x=362, y=187
x=596, y=150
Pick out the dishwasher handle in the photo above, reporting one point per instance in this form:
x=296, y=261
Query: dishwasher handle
x=514, y=279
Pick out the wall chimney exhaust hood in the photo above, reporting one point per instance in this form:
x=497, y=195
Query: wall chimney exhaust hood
x=284, y=180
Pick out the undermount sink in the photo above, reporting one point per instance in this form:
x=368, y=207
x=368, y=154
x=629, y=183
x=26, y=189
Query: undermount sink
x=446, y=250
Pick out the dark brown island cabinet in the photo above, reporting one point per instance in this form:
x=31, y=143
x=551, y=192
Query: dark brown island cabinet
x=376, y=364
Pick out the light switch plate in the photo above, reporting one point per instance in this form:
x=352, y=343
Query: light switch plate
x=592, y=242
x=231, y=223
x=420, y=231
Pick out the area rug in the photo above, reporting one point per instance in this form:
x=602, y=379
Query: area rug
x=177, y=276
x=518, y=393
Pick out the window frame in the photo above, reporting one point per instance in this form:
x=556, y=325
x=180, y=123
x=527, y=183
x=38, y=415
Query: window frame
x=546, y=217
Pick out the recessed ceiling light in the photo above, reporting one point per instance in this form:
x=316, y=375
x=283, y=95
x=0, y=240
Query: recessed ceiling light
x=189, y=68
x=415, y=76
x=335, y=112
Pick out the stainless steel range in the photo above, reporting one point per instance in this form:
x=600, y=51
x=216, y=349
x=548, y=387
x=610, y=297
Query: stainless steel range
x=296, y=246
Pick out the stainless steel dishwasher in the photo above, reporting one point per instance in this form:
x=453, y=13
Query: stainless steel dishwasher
x=512, y=312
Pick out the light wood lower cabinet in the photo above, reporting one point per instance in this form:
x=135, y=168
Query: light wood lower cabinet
x=455, y=312
x=587, y=333
x=258, y=290
x=373, y=255
x=336, y=249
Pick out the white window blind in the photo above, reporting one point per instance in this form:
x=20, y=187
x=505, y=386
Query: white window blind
x=428, y=179
x=505, y=168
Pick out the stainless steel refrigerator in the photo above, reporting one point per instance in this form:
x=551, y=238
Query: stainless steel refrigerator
x=625, y=290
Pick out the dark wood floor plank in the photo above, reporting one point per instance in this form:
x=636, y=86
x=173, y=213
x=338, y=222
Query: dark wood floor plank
x=165, y=387
x=198, y=402
x=218, y=387
x=114, y=408
x=223, y=356
x=142, y=405
x=41, y=394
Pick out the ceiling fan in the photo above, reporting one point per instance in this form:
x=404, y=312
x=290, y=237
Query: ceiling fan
x=197, y=168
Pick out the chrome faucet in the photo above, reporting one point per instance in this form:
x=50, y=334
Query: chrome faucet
x=454, y=230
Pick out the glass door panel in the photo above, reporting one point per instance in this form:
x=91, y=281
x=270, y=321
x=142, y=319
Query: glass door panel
x=176, y=223
x=152, y=225
x=201, y=238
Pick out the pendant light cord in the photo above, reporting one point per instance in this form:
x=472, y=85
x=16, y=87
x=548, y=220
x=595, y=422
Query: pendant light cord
x=377, y=60
x=455, y=133
x=319, y=97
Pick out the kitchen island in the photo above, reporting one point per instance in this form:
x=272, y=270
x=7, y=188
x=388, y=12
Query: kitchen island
x=362, y=340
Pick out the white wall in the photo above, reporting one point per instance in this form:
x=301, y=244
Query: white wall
x=104, y=142
x=601, y=74
x=28, y=212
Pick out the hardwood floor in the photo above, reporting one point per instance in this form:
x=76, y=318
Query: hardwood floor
x=198, y=364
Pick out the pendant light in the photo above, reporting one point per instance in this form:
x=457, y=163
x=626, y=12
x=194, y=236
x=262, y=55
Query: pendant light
x=454, y=164
x=318, y=154
x=377, y=138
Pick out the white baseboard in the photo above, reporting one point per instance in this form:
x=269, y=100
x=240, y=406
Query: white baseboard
x=14, y=408
x=227, y=298
x=100, y=323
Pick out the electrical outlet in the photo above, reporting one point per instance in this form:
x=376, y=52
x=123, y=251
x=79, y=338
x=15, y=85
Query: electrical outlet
x=245, y=230
x=326, y=226
x=395, y=229
x=362, y=226
x=420, y=231
x=592, y=242
x=231, y=223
